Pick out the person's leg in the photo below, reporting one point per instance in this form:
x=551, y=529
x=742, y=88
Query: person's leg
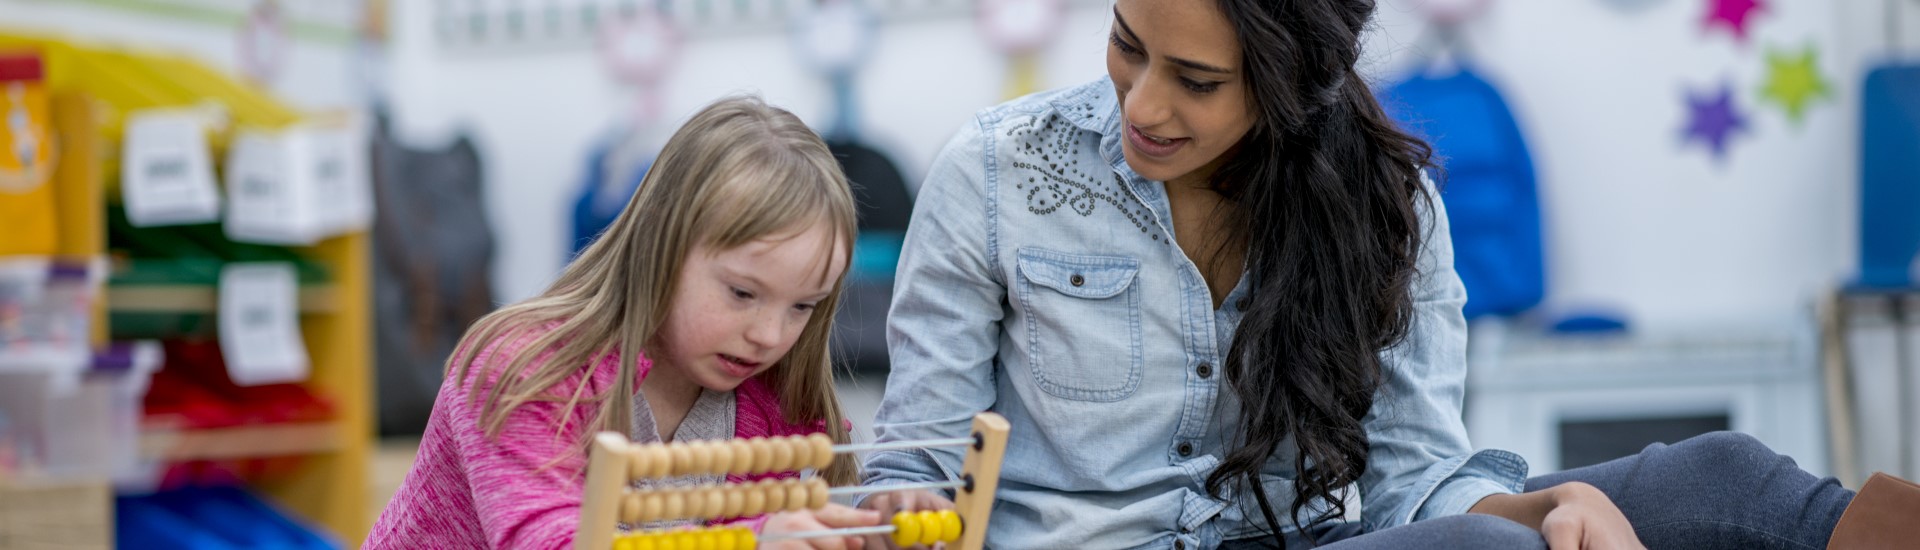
x=1469, y=531
x=1719, y=490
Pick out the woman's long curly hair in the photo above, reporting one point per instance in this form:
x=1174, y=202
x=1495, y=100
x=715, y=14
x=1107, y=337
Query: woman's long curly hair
x=1325, y=191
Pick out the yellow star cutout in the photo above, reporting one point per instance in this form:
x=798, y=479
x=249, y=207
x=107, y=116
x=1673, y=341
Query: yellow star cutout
x=1793, y=82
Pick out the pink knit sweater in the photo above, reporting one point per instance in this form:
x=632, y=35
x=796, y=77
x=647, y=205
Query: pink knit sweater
x=467, y=490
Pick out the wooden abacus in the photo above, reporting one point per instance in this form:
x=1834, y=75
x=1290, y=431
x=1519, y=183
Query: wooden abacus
x=614, y=463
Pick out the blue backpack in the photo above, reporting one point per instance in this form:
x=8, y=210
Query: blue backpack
x=1489, y=188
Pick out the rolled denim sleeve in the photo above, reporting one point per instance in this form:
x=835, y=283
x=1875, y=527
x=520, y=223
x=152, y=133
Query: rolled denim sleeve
x=1420, y=464
x=944, y=326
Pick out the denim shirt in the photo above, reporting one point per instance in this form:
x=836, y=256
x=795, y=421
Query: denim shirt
x=1040, y=280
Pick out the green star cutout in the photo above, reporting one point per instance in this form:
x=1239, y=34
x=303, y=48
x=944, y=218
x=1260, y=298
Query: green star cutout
x=1793, y=82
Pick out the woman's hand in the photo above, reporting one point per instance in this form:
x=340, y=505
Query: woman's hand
x=834, y=516
x=903, y=501
x=1571, y=516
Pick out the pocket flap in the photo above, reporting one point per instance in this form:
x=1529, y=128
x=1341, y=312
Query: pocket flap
x=1078, y=275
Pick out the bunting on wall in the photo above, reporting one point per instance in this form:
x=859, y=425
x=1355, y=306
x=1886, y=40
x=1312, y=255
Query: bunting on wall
x=1733, y=15
x=1791, y=81
x=1794, y=82
x=1713, y=119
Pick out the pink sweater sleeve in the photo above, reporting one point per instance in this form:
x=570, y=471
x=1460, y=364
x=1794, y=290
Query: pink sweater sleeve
x=520, y=490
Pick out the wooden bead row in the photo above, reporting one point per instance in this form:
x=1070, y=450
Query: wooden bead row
x=732, y=457
x=725, y=501
x=711, y=538
x=925, y=528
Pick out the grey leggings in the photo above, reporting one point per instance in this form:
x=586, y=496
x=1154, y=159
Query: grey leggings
x=1719, y=490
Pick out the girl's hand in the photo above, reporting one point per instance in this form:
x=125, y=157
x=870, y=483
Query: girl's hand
x=834, y=516
x=1583, y=518
x=903, y=501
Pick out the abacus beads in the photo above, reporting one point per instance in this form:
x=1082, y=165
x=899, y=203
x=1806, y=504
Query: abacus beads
x=722, y=538
x=910, y=528
x=733, y=457
x=925, y=528
x=728, y=501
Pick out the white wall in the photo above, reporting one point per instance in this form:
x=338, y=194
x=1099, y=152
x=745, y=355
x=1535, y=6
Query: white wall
x=1634, y=219
x=537, y=113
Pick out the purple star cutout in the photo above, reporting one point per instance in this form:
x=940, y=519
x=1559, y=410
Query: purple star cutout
x=1713, y=119
x=1732, y=14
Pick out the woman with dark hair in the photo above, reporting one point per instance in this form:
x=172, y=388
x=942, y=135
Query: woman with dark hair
x=1214, y=291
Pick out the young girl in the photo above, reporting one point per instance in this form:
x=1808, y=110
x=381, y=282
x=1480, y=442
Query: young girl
x=702, y=313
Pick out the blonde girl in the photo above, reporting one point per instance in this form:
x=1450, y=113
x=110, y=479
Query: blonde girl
x=703, y=312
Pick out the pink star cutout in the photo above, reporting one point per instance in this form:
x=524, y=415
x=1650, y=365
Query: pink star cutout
x=1733, y=14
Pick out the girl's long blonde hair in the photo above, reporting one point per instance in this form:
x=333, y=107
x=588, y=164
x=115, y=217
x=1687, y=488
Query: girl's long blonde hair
x=739, y=171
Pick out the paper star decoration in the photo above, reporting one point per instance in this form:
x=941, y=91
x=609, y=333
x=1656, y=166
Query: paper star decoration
x=1733, y=14
x=1793, y=82
x=1713, y=119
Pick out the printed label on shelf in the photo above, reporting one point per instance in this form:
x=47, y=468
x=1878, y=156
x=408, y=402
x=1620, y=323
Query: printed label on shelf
x=260, y=324
x=297, y=186
x=269, y=199
x=340, y=178
x=166, y=173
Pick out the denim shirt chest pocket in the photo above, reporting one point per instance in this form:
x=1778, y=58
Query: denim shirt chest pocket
x=1079, y=309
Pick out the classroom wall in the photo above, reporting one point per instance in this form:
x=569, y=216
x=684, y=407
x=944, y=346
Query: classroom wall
x=1635, y=219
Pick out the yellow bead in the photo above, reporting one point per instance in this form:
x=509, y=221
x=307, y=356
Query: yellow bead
x=950, y=525
x=724, y=539
x=705, y=540
x=906, y=529
x=645, y=542
x=929, y=527
x=745, y=539
x=678, y=540
x=623, y=543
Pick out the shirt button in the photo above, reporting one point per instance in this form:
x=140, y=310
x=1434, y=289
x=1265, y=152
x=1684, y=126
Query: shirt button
x=1242, y=304
x=1077, y=280
x=1179, y=545
x=1186, y=449
x=1205, y=370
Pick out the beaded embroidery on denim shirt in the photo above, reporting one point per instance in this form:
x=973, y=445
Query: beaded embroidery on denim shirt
x=1055, y=178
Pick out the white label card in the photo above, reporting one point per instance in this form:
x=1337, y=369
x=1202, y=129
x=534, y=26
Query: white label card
x=166, y=173
x=340, y=178
x=270, y=199
x=260, y=324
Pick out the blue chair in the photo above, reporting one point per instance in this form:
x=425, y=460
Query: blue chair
x=1889, y=177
